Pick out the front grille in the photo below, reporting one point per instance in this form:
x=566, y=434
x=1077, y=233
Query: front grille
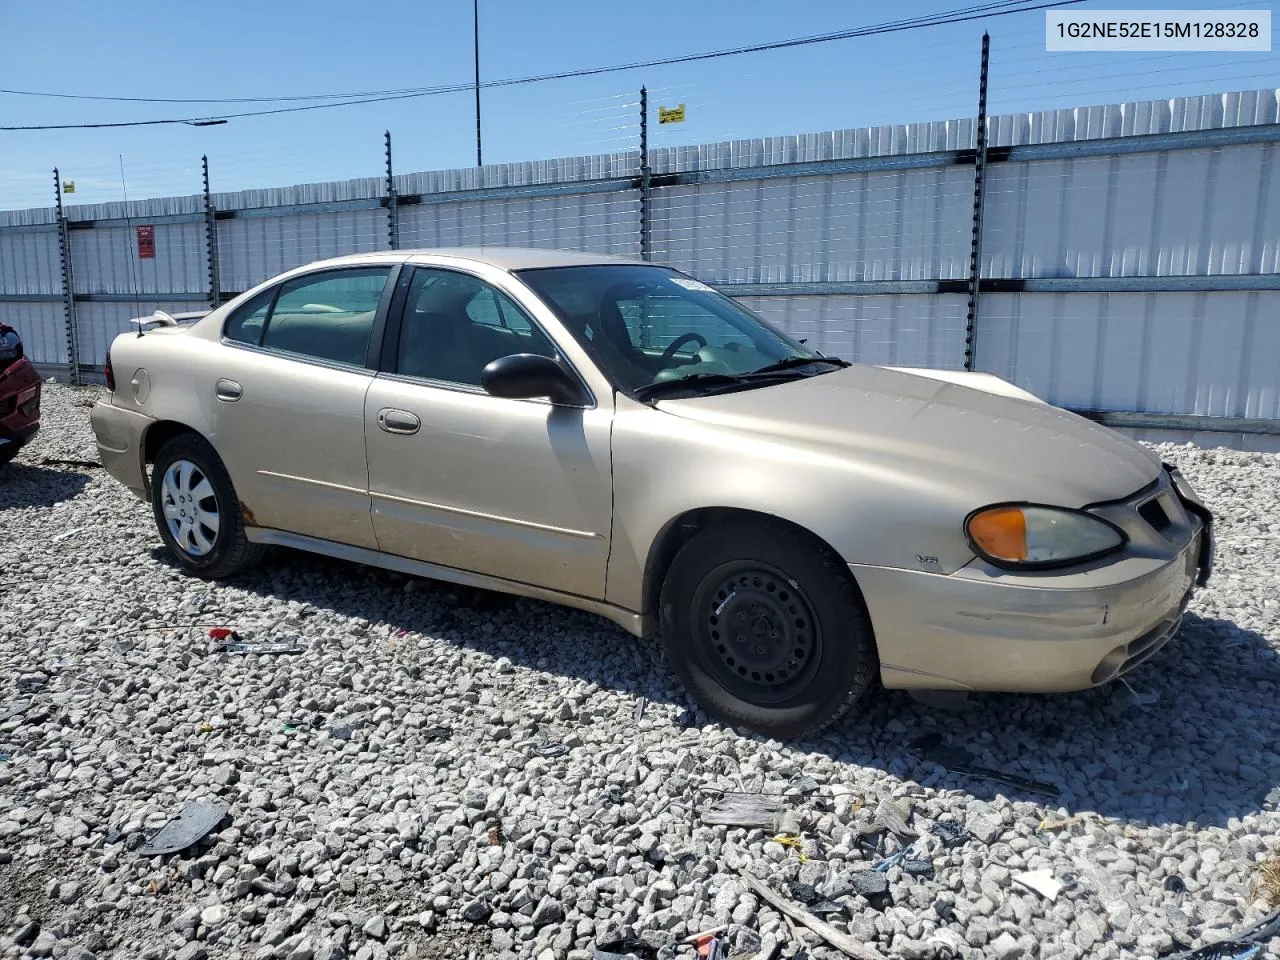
x=1154, y=514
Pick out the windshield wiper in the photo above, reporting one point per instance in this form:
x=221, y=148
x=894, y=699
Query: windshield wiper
x=698, y=381
x=788, y=363
x=694, y=381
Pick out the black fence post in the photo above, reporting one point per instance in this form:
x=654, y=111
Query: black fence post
x=211, y=239
x=393, y=211
x=646, y=252
x=979, y=194
x=68, y=285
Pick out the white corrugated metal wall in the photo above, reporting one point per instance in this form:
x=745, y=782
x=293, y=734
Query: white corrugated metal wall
x=1137, y=273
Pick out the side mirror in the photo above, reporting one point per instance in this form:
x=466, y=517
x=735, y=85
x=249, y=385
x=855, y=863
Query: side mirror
x=523, y=376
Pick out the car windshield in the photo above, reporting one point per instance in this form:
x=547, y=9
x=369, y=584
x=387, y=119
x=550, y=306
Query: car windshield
x=649, y=326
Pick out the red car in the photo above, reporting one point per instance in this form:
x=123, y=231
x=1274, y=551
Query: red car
x=19, y=395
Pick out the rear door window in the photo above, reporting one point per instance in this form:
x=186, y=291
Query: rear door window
x=328, y=316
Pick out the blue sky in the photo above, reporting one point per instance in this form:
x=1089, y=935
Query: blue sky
x=149, y=48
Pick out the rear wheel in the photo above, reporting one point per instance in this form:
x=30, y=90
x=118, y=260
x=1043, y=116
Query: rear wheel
x=196, y=510
x=766, y=627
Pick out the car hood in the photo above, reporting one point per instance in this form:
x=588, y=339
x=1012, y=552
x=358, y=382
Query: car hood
x=1004, y=447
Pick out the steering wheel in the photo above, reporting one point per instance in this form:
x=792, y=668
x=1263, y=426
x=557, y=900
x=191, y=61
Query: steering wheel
x=669, y=354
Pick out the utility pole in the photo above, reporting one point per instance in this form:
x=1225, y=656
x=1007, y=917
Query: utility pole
x=475, y=24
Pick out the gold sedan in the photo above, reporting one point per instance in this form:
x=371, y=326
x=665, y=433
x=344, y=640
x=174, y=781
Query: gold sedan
x=619, y=437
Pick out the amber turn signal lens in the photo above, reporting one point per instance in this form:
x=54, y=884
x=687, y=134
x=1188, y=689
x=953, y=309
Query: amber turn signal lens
x=1001, y=532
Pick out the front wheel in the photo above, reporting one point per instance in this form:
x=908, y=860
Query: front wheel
x=196, y=510
x=767, y=628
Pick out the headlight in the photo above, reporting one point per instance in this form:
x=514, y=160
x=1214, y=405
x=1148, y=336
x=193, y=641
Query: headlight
x=10, y=346
x=1025, y=535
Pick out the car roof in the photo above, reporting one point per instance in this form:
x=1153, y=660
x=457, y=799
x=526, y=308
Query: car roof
x=505, y=258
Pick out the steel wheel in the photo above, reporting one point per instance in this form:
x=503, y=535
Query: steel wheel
x=190, y=508
x=760, y=639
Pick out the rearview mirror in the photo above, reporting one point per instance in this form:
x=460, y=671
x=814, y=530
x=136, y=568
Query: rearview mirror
x=523, y=376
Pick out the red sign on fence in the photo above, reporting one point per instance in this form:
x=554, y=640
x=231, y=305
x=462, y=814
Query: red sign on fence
x=146, y=243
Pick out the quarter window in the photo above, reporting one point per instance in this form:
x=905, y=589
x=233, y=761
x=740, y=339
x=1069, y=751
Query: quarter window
x=328, y=316
x=249, y=320
x=455, y=324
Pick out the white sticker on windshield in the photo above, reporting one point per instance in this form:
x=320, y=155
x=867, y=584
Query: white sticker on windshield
x=691, y=284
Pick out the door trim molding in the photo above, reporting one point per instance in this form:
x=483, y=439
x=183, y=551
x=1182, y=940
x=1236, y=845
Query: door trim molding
x=315, y=483
x=634, y=623
x=528, y=524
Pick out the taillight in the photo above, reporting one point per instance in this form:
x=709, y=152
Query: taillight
x=109, y=374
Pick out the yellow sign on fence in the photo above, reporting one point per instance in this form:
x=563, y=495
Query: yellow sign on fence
x=68, y=186
x=671, y=114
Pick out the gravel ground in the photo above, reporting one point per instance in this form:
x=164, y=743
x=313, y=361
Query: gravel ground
x=454, y=773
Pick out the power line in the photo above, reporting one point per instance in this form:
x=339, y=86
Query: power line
x=998, y=8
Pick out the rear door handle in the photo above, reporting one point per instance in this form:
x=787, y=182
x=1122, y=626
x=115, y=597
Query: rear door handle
x=227, y=390
x=398, y=421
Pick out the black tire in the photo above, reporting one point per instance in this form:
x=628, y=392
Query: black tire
x=230, y=551
x=765, y=626
x=8, y=452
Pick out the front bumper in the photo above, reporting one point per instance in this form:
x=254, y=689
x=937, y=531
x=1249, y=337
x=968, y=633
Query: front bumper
x=119, y=433
x=985, y=629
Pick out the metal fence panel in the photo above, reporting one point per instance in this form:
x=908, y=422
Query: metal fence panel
x=106, y=260
x=878, y=225
x=41, y=325
x=1202, y=212
x=29, y=261
x=596, y=222
x=1211, y=354
x=253, y=249
x=902, y=330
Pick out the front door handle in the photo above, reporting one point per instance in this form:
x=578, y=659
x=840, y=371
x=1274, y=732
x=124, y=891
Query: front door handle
x=227, y=390
x=398, y=421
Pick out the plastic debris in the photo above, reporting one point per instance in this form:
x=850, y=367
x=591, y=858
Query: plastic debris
x=794, y=842
x=195, y=820
x=550, y=749
x=808, y=895
x=231, y=642
x=282, y=646
x=702, y=934
x=1245, y=945
x=893, y=860
x=709, y=946
x=918, y=868
x=1175, y=884
x=1129, y=696
x=623, y=948
x=893, y=816
x=950, y=833
x=804, y=784
x=1042, y=882
x=637, y=714
x=750, y=810
x=32, y=683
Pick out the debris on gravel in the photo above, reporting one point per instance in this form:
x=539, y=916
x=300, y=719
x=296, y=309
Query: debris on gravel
x=450, y=773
